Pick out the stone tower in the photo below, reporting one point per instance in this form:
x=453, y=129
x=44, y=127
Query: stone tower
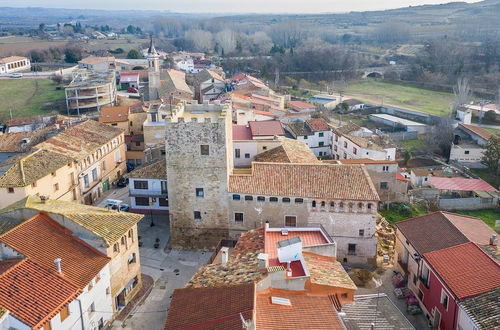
x=199, y=160
x=153, y=71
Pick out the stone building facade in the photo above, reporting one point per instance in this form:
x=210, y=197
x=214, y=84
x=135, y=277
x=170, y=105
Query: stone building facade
x=198, y=155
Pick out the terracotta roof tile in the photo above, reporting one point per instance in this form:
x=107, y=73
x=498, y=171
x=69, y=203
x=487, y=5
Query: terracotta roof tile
x=266, y=127
x=366, y=161
x=308, y=238
x=290, y=151
x=34, y=294
x=107, y=224
x=465, y=269
x=485, y=134
x=13, y=142
x=156, y=170
x=80, y=262
x=322, y=181
x=114, y=114
x=431, y=232
x=327, y=271
x=484, y=309
x=301, y=105
x=81, y=140
x=318, y=124
x=211, y=308
x=473, y=228
x=242, y=266
x=26, y=169
x=305, y=312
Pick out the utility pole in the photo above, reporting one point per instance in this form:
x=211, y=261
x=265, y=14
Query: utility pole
x=276, y=77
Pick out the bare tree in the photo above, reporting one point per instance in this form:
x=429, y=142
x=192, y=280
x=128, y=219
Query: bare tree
x=202, y=40
x=226, y=40
x=440, y=136
x=463, y=94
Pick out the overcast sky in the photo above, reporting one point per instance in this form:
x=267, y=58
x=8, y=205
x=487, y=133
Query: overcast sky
x=227, y=6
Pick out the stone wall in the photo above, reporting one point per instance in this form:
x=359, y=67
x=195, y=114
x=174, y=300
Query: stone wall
x=189, y=170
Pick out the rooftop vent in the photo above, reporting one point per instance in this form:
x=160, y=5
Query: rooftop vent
x=493, y=240
x=281, y=301
x=284, y=232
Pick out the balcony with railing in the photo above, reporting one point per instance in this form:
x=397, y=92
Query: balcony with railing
x=148, y=193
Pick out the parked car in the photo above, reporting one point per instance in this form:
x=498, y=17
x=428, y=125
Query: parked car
x=122, y=182
x=132, y=90
x=15, y=75
x=130, y=167
x=116, y=204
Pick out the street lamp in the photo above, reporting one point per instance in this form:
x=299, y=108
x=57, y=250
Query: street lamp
x=151, y=204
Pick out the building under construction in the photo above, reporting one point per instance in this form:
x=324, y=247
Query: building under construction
x=90, y=90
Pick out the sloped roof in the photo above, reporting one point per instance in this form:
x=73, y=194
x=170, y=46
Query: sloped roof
x=177, y=80
x=322, y=181
x=25, y=169
x=327, y=271
x=484, y=309
x=80, y=262
x=114, y=114
x=207, y=74
x=10, y=59
x=301, y=105
x=366, y=161
x=318, y=124
x=461, y=184
x=479, y=131
x=290, y=151
x=34, y=294
x=465, y=269
x=305, y=312
x=266, y=127
x=81, y=140
x=431, y=232
x=11, y=142
x=241, y=133
x=211, y=308
x=299, y=128
x=156, y=170
x=242, y=266
x=107, y=224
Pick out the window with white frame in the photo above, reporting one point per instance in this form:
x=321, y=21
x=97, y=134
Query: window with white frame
x=444, y=299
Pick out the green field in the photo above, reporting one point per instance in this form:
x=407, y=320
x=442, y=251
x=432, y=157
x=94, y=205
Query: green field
x=414, y=144
x=424, y=100
x=399, y=212
x=28, y=97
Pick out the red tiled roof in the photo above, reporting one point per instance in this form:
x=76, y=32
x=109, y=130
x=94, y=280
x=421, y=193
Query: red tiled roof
x=34, y=294
x=266, y=127
x=400, y=177
x=301, y=105
x=264, y=113
x=80, y=262
x=485, y=134
x=322, y=181
x=114, y=114
x=465, y=269
x=305, y=312
x=366, y=161
x=211, y=308
x=241, y=133
x=318, y=124
x=461, y=184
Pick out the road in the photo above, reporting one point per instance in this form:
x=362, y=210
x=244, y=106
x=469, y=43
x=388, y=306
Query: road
x=31, y=75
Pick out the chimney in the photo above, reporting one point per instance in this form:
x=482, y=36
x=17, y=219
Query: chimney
x=224, y=254
x=57, y=261
x=43, y=199
x=266, y=225
x=493, y=240
x=263, y=260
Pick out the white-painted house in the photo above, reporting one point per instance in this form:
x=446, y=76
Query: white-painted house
x=148, y=188
x=354, y=142
x=13, y=64
x=315, y=132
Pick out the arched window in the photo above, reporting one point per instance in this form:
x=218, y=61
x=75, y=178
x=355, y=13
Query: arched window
x=369, y=206
x=323, y=204
x=313, y=203
x=360, y=205
x=285, y=200
x=332, y=204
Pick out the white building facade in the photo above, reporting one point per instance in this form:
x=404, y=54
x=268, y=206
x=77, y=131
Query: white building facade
x=14, y=64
